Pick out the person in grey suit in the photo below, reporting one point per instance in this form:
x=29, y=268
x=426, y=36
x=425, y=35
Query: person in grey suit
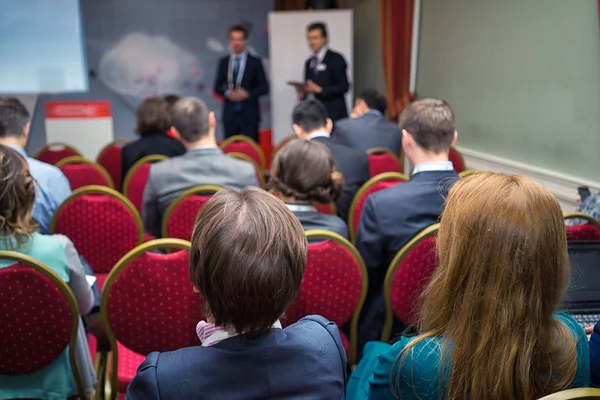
x=202, y=164
x=368, y=127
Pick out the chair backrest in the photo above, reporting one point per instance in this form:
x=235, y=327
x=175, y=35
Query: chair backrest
x=245, y=145
x=334, y=285
x=179, y=218
x=586, y=228
x=148, y=303
x=282, y=143
x=260, y=175
x=110, y=158
x=457, y=160
x=102, y=224
x=81, y=172
x=39, y=318
x=382, y=160
x=575, y=394
x=52, y=153
x=375, y=184
x=406, y=278
x=137, y=177
x=468, y=172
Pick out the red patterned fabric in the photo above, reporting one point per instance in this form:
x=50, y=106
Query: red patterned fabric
x=100, y=279
x=101, y=227
x=54, y=154
x=457, y=160
x=245, y=148
x=129, y=361
x=325, y=208
x=331, y=287
x=410, y=279
x=80, y=175
x=93, y=345
x=35, y=321
x=585, y=231
x=361, y=202
x=110, y=159
x=137, y=184
x=181, y=222
x=382, y=162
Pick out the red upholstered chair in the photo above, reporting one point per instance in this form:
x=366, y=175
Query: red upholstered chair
x=260, y=174
x=148, y=304
x=81, y=172
x=137, y=177
x=54, y=152
x=375, y=184
x=457, y=160
x=586, y=228
x=110, y=158
x=245, y=145
x=283, y=142
x=334, y=285
x=178, y=221
x=382, y=160
x=39, y=318
x=102, y=224
x=406, y=278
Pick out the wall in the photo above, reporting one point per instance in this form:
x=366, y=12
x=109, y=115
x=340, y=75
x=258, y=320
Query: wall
x=523, y=77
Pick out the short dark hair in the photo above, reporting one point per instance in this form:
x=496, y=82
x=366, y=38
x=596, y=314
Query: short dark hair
x=310, y=115
x=190, y=118
x=14, y=117
x=318, y=26
x=430, y=121
x=153, y=116
x=374, y=100
x=248, y=259
x=239, y=28
x=305, y=170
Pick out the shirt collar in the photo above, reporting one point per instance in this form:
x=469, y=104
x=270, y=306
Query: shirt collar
x=204, y=146
x=301, y=207
x=242, y=55
x=19, y=149
x=433, y=166
x=209, y=334
x=321, y=54
x=317, y=134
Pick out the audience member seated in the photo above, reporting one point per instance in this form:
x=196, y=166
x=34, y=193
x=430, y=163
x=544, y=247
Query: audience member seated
x=391, y=217
x=202, y=164
x=304, y=172
x=369, y=128
x=249, y=277
x=589, y=206
x=51, y=185
x=56, y=252
x=311, y=123
x=489, y=326
x=153, y=123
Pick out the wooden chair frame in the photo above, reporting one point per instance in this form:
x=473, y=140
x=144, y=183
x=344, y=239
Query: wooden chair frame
x=142, y=161
x=80, y=160
x=245, y=139
x=259, y=171
x=47, y=146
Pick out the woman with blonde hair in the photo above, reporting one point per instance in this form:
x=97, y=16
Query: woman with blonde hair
x=489, y=326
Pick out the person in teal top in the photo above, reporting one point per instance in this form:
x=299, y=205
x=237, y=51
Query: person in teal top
x=17, y=233
x=489, y=326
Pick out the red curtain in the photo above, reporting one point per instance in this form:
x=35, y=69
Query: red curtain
x=396, y=38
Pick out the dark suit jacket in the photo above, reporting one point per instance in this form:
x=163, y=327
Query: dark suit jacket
x=306, y=360
x=354, y=166
x=315, y=220
x=149, y=144
x=334, y=82
x=368, y=131
x=254, y=82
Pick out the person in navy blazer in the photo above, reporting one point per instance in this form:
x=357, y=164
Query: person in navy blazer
x=368, y=128
x=241, y=81
x=391, y=217
x=253, y=271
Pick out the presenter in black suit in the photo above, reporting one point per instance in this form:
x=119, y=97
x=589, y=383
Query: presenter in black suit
x=325, y=74
x=241, y=81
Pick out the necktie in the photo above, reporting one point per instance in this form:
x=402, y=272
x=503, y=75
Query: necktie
x=236, y=68
x=314, y=62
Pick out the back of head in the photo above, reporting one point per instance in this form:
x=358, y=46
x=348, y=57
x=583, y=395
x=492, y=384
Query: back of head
x=153, y=116
x=374, y=100
x=431, y=123
x=502, y=273
x=248, y=259
x=310, y=115
x=14, y=117
x=171, y=99
x=190, y=118
x=305, y=171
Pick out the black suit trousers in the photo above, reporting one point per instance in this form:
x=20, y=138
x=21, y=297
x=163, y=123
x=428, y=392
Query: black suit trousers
x=237, y=126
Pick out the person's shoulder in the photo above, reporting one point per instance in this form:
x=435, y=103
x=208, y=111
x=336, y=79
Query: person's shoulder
x=37, y=166
x=567, y=320
x=165, y=167
x=49, y=243
x=334, y=55
x=315, y=329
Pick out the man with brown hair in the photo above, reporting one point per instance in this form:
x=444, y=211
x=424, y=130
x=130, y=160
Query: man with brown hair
x=391, y=217
x=248, y=258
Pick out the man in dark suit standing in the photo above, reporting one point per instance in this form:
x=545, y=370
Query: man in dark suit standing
x=310, y=122
x=368, y=127
x=241, y=81
x=325, y=74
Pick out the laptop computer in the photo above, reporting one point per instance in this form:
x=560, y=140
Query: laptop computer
x=582, y=298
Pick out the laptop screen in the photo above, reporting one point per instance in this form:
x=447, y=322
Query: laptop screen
x=584, y=287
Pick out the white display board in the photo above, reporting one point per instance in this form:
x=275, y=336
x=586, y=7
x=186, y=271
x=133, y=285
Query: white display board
x=288, y=51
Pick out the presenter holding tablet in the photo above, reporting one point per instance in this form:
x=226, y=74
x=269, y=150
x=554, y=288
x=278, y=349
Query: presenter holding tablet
x=241, y=81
